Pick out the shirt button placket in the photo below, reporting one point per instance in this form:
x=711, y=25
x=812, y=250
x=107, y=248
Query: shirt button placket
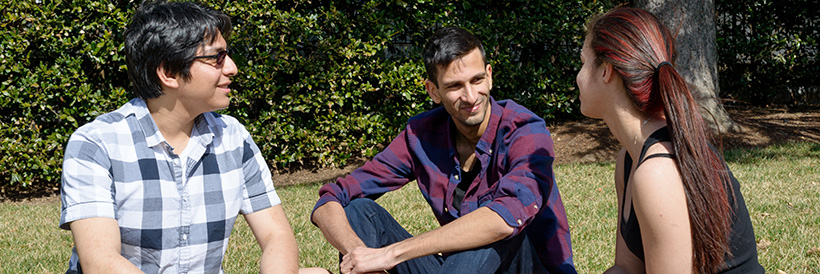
x=184, y=218
x=456, y=179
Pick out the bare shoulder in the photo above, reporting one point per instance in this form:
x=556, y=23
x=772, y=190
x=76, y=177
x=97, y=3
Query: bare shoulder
x=658, y=193
x=654, y=171
x=657, y=176
x=659, y=200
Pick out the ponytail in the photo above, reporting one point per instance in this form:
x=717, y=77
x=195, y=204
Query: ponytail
x=705, y=178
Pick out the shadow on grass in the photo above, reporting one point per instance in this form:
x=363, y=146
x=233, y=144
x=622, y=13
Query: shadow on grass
x=775, y=128
x=35, y=191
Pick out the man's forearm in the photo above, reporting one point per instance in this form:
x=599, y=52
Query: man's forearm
x=332, y=220
x=272, y=231
x=109, y=263
x=98, y=245
x=478, y=228
x=281, y=256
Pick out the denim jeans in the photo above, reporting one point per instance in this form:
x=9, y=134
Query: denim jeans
x=377, y=228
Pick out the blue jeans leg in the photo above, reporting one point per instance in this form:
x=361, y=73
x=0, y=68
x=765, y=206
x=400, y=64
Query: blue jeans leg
x=377, y=228
x=514, y=255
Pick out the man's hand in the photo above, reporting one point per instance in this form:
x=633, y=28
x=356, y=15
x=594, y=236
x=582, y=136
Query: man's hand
x=478, y=228
x=368, y=260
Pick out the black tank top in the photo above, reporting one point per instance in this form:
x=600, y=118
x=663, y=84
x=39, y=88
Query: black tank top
x=742, y=238
x=467, y=178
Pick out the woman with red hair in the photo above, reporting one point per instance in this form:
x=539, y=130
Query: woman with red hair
x=680, y=209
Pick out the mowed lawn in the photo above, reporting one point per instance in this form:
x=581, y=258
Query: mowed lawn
x=781, y=185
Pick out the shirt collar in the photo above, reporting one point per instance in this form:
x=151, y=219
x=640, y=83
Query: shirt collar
x=484, y=144
x=153, y=137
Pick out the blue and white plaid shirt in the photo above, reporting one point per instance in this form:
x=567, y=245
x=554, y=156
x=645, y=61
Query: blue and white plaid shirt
x=175, y=210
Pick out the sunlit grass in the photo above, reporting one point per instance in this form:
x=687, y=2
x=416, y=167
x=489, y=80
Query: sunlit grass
x=30, y=241
x=781, y=185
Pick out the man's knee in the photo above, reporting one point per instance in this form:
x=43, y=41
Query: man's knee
x=364, y=211
x=362, y=202
x=363, y=207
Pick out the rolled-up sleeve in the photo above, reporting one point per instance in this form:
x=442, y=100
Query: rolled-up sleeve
x=258, y=190
x=520, y=192
x=86, y=188
x=389, y=170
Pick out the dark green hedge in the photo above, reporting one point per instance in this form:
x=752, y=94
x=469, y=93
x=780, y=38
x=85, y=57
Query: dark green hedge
x=325, y=82
x=768, y=51
x=320, y=82
x=60, y=66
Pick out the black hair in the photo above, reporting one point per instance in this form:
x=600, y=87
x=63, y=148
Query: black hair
x=168, y=34
x=447, y=44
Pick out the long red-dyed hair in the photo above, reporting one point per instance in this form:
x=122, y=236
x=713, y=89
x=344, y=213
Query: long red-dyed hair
x=635, y=43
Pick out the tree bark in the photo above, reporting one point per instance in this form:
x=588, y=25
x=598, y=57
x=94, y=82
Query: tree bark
x=693, y=24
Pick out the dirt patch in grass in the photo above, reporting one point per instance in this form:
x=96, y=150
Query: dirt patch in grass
x=589, y=140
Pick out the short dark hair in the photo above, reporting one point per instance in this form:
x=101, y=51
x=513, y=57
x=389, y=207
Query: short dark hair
x=447, y=44
x=168, y=34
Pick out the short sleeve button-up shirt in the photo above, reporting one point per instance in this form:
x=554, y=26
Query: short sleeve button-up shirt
x=175, y=210
x=515, y=180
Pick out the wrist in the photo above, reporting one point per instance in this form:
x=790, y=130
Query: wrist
x=398, y=252
x=352, y=244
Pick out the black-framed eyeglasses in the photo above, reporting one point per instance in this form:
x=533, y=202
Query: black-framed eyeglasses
x=219, y=56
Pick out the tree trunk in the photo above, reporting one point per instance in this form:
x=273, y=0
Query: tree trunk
x=693, y=23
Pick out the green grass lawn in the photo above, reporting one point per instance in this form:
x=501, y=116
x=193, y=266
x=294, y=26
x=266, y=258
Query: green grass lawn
x=781, y=185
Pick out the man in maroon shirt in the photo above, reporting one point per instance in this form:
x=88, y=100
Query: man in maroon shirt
x=484, y=166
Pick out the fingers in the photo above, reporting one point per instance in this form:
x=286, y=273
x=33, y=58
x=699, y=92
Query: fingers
x=346, y=266
x=363, y=260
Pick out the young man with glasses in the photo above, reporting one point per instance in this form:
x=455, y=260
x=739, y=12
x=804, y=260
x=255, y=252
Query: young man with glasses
x=156, y=185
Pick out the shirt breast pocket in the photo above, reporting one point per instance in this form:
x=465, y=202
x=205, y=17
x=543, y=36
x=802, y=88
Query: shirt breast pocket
x=485, y=198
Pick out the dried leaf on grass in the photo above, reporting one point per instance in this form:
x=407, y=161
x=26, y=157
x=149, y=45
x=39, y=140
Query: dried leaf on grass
x=814, y=251
x=763, y=244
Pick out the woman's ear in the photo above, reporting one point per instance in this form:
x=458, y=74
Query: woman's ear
x=607, y=72
x=167, y=79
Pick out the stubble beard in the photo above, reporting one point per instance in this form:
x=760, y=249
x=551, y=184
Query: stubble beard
x=477, y=119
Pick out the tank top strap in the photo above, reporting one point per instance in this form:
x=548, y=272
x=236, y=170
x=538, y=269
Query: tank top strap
x=660, y=135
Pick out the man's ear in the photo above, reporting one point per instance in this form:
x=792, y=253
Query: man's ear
x=432, y=90
x=167, y=79
x=489, y=70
